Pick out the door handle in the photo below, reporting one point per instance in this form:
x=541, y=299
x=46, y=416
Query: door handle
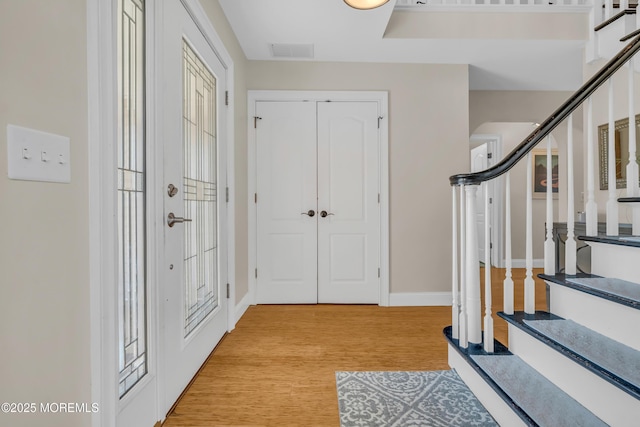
x=325, y=214
x=172, y=219
x=310, y=213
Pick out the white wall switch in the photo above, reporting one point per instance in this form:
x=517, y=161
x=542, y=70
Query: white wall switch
x=38, y=156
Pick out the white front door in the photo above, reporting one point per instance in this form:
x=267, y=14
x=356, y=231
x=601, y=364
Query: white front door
x=192, y=117
x=348, y=202
x=318, y=212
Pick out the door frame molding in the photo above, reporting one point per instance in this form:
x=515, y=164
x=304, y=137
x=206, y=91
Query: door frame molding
x=102, y=226
x=494, y=142
x=382, y=98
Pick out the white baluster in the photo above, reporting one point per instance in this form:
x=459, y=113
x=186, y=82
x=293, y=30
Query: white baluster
x=549, y=244
x=624, y=4
x=570, y=244
x=463, y=321
x=472, y=274
x=598, y=13
x=633, y=187
x=455, y=309
x=595, y=18
x=608, y=9
x=529, y=284
x=508, y=280
x=591, y=208
x=488, y=320
x=612, y=202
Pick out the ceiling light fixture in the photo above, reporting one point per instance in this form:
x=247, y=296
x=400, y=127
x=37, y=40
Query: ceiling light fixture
x=365, y=4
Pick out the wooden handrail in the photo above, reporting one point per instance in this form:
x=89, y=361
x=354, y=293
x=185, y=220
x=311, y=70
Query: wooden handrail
x=558, y=116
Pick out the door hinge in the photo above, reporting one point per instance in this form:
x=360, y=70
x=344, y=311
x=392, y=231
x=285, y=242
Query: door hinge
x=226, y=97
x=227, y=194
x=490, y=199
x=379, y=118
x=490, y=245
x=489, y=155
x=228, y=291
x=256, y=273
x=378, y=197
x=378, y=271
x=255, y=121
x=255, y=197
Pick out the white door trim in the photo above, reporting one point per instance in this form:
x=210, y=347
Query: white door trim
x=497, y=217
x=101, y=88
x=278, y=95
x=102, y=124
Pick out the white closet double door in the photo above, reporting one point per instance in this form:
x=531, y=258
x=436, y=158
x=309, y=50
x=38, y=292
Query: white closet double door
x=318, y=203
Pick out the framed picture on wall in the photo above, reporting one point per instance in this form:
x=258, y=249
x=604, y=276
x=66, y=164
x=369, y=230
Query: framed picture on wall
x=539, y=167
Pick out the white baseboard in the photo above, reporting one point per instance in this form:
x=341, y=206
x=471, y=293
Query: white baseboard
x=412, y=299
x=242, y=306
x=522, y=263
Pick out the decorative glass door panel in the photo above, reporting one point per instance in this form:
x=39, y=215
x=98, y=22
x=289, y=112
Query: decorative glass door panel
x=200, y=190
x=192, y=135
x=132, y=355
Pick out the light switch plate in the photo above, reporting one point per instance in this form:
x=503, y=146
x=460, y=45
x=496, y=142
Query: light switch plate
x=38, y=156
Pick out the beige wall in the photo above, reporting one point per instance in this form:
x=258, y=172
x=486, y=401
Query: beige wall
x=239, y=105
x=44, y=243
x=428, y=116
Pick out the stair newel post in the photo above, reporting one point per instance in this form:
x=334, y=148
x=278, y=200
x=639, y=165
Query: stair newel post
x=549, y=244
x=455, y=308
x=463, y=339
x=633, y=186
x=612, y=202
x=591, y=208
x=570, y=244
x=488, y=320
x=529, y=284
x=472, y=274
x=508, y=280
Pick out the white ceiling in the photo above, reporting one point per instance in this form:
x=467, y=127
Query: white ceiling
x=340, y=33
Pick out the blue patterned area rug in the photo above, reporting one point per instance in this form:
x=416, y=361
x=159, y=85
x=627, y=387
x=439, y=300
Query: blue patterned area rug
x=402, y=399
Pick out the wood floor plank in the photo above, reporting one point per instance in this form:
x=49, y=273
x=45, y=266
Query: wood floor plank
x=277, y=368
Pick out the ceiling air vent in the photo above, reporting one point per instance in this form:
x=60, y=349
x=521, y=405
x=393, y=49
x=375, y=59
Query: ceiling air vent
x=287, y=50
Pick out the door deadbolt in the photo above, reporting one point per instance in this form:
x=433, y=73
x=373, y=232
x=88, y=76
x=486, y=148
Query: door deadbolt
x=172, y=190
x=310, y=213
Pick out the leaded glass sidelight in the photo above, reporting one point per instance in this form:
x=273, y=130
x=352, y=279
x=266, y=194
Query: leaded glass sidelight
x=200, y=190
x=132, y=334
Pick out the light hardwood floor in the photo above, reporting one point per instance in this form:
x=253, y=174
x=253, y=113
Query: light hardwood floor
x=277, y=368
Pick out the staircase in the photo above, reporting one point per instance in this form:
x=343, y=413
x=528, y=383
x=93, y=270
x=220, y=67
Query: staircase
x=579, y=363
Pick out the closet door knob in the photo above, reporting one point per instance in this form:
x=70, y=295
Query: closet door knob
x=310, y=213
x=324, y=214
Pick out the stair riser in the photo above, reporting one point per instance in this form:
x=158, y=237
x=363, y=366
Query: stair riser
x=605, y=317
x=609, y=403
x=615, y=261
x=496, y=406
